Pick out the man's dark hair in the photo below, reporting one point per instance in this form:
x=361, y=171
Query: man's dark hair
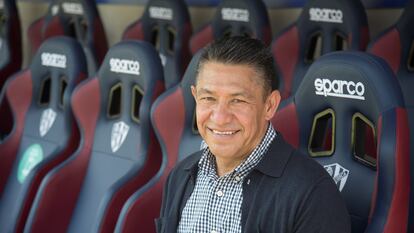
x=242, y=50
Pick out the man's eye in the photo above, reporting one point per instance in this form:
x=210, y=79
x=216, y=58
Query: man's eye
x=208, y=98
x=238, y=101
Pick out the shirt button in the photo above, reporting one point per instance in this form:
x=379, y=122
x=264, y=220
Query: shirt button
x=213, y=231
x=237, y=179
x=219, y=193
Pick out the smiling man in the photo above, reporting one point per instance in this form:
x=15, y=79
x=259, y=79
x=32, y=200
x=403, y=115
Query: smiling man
x=248, y=179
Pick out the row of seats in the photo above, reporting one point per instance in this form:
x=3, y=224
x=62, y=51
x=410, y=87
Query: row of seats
x=94, y=158
x=99, y=178
x=167, y=25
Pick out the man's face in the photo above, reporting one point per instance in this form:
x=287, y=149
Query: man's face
x=232, y=109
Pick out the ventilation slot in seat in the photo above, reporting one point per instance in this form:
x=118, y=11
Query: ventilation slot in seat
x=172, y=34
x=341, y=43
x=364, y=143
x=138, y=94
x=322, y=139
x=45, y=91
x=155, y=38
x=227, y=33
x=3, y=21
x=115, y=97
x=411, y=57
x=314, y=48
x=63, y=85
x=78, y=28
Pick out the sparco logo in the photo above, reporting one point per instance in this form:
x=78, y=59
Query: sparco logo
x=325, y=15
x=54, y=60
x=72, y=8
x=235, y=14
x=161, y=13
x=340, y=88
x=124, y=66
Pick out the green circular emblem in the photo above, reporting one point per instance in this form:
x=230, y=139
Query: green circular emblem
x=31, y=157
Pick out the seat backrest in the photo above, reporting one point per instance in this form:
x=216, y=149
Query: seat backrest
x=112, y=111
x=10, y=40
x=235, y=18
x=323, y=26
x=44, y=133
x=76, y=18
x=166, y=24
x=349, y=115
x=173, y=118
x=10, y=53
x=396, y=46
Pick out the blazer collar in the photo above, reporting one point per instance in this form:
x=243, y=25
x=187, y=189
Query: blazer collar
x=272, y=164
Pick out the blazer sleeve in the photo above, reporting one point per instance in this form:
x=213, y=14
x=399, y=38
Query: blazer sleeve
x=158, y=221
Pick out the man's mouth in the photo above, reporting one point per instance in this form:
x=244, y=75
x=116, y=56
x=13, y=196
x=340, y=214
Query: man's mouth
x=223, y=132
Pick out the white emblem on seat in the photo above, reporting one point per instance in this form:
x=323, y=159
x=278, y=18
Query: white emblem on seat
x=124, y=66
x=118, y=135
x=338, y=173
x=235, y=14
x=46, y=121
x=163, y=59
x=55, y=9
x=161, y=13
x=72, y=8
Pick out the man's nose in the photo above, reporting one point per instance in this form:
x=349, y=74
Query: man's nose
x=221, y=114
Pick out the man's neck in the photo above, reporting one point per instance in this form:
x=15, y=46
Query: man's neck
x=226, y=166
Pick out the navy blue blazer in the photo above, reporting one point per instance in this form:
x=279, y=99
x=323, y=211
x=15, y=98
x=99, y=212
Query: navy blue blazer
x=286, y=192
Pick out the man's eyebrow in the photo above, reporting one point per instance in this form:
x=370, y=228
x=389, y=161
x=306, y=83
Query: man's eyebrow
x=204, y=91
x=242, y=94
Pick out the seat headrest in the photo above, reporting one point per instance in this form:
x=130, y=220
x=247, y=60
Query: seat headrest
x=59, y=55
x=72, y=8
x=62, y=60
x=348, y=114
x=406, y=19
x=348, y=81
x=131, y=62
x=172, y=12
x=241, y=17
x=346, y=18
x=10, y=38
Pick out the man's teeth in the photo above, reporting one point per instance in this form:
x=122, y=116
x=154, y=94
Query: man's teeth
x=223, y=132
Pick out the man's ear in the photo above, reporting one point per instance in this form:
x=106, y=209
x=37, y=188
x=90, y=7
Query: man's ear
x=272, y=102
x=194, y=91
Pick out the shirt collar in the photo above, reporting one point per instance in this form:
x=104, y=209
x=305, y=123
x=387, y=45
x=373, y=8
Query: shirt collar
x=273, y=162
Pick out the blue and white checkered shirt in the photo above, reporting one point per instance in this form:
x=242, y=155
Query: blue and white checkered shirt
x=215, y=204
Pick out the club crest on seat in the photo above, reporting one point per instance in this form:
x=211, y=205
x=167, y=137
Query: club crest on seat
x=118, y=135
x=46, y=121
x=338, y=173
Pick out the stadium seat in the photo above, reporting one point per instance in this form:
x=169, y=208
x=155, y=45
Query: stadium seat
x=235, y=17
x=44, y=133
x=166, y=24
x=118, y=152
x=396, y=46
x=10, y=40
x=322, y=27
x=76, y=18
x=349, y=115
x=173, y=119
